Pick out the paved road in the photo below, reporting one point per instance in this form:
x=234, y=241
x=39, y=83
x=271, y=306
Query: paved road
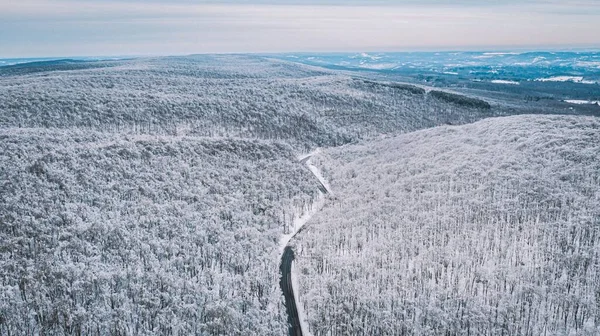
x=285, y=268
x=305, y=159
x=285, y=282
x=321, y=186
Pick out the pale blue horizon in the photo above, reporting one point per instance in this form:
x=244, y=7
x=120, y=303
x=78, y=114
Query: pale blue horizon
x=39, y=28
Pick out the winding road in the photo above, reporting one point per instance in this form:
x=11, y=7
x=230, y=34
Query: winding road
x=287, y=263
x=286, y=284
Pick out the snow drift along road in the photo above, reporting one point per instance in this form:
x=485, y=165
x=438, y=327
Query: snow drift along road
x=296, y=319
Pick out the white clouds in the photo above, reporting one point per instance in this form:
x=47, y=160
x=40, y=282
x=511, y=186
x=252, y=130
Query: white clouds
x=184, y=27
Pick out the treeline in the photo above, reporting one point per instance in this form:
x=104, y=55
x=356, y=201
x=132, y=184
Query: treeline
x=136, y=235
x=50, y=66
x=460, y=100
x=491, y=228
x=399, y=86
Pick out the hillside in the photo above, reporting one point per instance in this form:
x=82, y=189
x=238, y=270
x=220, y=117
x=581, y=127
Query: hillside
x=225, y=95
x=149, y=196
x=108, y=234
x=491, y=228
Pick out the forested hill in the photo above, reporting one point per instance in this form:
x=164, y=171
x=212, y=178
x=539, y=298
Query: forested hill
x=491, y=228
x=108, y=234
x=147, y=196
x=228, y=95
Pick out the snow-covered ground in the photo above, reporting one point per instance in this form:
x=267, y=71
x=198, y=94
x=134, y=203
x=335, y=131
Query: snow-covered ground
x=301, y=218
x=382, y=66
x=300, y=221
x=319, y=176
x=299, y=307
x=315, y=170
x=582, y=102
x=574, y=79
x=502, y=81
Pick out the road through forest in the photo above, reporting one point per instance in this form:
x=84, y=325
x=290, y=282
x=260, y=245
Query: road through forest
x=295, y=323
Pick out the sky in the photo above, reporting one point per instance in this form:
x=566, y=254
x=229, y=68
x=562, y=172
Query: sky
x=50, y=28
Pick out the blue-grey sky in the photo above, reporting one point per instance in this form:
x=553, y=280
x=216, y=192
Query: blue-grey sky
x=36, y=28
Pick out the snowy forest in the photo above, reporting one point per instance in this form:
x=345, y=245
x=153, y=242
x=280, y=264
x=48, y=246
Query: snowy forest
x=237, y=96
x=107, y=234
x=150, y=196
x=490, y=228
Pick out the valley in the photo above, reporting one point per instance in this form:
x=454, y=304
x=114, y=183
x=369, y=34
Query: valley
x=174, y=196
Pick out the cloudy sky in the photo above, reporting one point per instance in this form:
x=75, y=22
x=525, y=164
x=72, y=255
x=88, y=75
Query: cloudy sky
x=36, y=28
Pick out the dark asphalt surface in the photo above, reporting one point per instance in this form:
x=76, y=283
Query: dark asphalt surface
x=288, y=292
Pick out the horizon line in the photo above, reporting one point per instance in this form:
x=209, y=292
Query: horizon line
x=521, y=50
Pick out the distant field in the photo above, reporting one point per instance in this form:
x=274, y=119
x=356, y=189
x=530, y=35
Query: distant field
x=545, y=78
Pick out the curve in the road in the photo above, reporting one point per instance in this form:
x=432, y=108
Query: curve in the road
x=285, y=268
x=294, y=327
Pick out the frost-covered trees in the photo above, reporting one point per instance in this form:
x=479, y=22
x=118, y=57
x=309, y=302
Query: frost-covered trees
x=136, y=235
x=146, y=196
x=491, y=228
x=240, y=96
x=143, y=197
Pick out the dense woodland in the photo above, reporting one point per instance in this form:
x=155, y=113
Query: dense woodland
x=491, y=228
x=238, y=96
x=147, y=197
x=105, y=234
